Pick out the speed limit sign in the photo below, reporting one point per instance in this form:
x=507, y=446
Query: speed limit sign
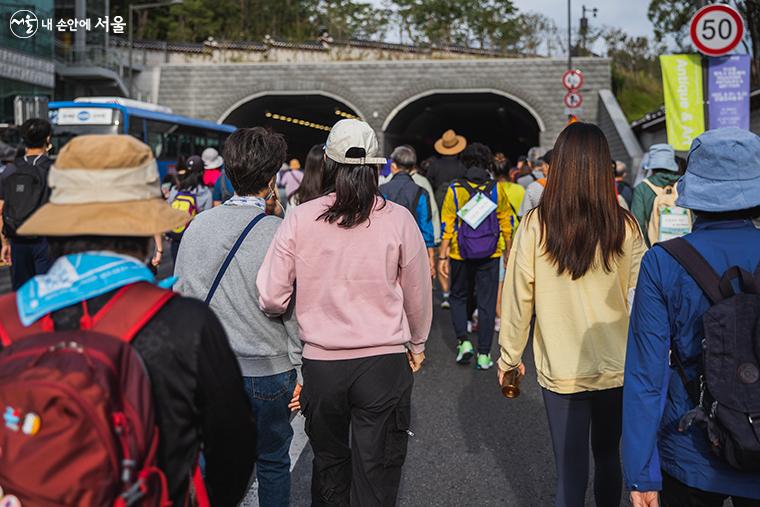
x=716, y=29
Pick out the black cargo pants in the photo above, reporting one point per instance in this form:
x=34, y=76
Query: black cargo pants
x=370, y=400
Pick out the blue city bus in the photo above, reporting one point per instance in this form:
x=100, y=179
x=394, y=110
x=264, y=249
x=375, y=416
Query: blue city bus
x=169, y=135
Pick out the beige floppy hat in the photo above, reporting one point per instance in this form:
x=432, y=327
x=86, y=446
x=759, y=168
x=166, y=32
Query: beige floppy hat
x=450, y=143
x=104, y=185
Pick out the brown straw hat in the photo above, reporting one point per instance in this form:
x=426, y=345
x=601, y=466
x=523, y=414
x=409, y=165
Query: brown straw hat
x=450, y=143
x=104, y=185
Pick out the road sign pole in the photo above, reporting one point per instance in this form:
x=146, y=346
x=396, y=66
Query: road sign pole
x=706, y=90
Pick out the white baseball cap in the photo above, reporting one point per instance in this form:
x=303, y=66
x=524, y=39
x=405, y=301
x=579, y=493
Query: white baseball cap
x=351, y=133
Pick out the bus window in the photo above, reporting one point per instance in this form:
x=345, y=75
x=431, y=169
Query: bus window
x=171, y=142
x=137, y=128
x=158, y=140
x=186, y=145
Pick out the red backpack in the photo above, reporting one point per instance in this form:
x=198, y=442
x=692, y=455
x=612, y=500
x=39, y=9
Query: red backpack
x=78, y=425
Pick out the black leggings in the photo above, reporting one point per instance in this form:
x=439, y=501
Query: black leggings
x=572, y=419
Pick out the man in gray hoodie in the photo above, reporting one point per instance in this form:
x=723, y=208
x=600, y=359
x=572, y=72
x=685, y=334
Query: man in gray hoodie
x=211, y=268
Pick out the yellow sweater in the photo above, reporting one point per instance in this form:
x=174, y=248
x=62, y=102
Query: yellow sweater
x=581, y=326
x=449, y=218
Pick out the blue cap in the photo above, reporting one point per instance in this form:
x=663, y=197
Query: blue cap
x=662, y=156
x=723, y=172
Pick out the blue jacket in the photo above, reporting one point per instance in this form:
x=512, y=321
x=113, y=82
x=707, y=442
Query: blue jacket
x=669, y=305
x=401, y=189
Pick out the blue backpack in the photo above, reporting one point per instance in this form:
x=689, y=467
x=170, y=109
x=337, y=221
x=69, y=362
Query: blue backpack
x=480, y=243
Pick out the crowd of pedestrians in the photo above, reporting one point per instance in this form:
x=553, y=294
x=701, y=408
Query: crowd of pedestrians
x=311, y=289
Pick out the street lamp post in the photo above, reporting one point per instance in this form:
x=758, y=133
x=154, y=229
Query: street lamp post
x=132, y=9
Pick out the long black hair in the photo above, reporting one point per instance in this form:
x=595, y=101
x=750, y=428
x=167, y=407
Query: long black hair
x=313, y=170
x=356, y=192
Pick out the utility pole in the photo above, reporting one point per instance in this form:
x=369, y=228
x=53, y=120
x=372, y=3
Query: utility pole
x=584, y=25
x=569, y=37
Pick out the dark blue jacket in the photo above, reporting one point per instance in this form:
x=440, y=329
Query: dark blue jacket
x=402, y=190
x=669, y=305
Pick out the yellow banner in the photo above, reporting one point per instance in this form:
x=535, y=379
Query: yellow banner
x=684, y=102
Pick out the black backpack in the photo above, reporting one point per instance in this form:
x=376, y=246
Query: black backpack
x=727, y=390
x=25, y=190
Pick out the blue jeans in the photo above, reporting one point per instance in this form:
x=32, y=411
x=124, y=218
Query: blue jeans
x=269, y=398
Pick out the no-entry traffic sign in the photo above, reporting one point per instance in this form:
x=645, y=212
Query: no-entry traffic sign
x=573, y=99
x=572, y=79
x=716, y=29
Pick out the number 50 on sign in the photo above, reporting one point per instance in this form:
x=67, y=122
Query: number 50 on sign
x=716, y=29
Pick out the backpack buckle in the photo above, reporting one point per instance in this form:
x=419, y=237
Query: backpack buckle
x=135, y=492
x=754, y=419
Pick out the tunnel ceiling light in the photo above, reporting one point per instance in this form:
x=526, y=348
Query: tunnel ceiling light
x=346, y=115
x=296, y=121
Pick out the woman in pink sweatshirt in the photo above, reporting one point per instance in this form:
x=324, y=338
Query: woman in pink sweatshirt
x=357, y=266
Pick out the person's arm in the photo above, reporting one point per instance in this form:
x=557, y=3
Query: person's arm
x=527, y=203
x=278, y=272
x=517, y=300
x=5, y=249
x=216, y=195
x=646, y=380
x=228, y=428
x=295, y=346
x=159, y=250
x=424, y=220
x=503, y=213
x=448, y=219
x=638, y=206
x=417, y=289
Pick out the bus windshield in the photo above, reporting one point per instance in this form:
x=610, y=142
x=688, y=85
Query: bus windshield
x=72, y=122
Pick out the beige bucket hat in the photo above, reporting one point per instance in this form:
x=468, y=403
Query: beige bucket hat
x=450, y=143
x=104, y=185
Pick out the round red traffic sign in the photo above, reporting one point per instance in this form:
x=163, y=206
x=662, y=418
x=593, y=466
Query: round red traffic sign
x=572, y=79
x=573, y=99
x=716, y=29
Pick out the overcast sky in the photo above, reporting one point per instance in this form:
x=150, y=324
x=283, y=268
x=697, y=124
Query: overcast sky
x=630, y=15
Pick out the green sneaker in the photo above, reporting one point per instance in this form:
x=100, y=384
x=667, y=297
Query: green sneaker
x=484, y=362
x=465, y=351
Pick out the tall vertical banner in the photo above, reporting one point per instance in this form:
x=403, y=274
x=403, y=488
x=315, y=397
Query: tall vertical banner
x=684, y=102
x=728, y=90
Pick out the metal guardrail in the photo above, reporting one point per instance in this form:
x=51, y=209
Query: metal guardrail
x=95, y=56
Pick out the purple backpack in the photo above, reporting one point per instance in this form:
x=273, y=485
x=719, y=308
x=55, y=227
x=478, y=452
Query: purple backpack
x=482, y=242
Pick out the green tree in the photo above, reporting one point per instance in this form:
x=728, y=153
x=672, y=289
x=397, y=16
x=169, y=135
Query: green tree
x=347, y=19
x=485, y=23
x=636, y=76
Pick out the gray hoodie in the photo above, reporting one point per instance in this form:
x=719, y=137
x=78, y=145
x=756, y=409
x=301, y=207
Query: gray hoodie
x=263, y=345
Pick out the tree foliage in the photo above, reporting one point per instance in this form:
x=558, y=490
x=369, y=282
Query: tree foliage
x=484, y=23
x=636, y=75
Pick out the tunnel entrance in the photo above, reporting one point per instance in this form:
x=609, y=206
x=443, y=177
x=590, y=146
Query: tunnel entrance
x=492, y=119
x=304, y=120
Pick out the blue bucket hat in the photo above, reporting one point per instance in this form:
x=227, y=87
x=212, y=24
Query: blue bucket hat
x=722, y=173
x=662, y=156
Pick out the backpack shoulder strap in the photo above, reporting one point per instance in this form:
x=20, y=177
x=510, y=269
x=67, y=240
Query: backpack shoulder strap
x=130, y=309
x=696, y=265
x=657, y=190
x=231, y=255
x=11, y=328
